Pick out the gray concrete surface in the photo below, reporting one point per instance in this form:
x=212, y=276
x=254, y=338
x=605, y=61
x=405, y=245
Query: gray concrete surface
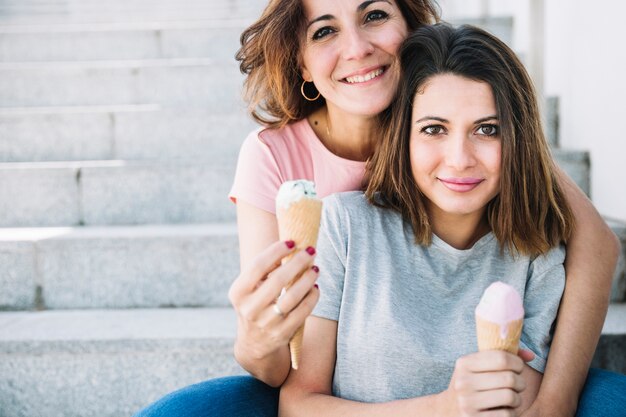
x=618, y=290
x=114, y=192
x=611, y=351
x=217, y=39
x=46, y=195
x=180, y=82
x=143, y=132
x=150, y=193
x=108, y=363
x=577, y=165
x=118, y=267
x=90, y=11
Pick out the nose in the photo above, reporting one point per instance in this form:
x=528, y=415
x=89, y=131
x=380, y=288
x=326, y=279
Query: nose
x=460, y=152
x=356, y=44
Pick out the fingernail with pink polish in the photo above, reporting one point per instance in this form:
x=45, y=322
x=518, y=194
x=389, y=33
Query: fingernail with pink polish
x=316, y=269
x=290, y=244
x=310, y=250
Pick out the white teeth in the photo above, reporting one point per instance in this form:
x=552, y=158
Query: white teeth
x=366, y=77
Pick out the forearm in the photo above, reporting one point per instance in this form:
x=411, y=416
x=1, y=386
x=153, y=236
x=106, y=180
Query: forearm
x=591, y=257
x=324, y=405
x=272, y=369
x=253, y=348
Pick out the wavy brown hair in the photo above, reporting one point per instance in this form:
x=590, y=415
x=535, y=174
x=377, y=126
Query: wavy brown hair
x=270, y=58
x=530, y=214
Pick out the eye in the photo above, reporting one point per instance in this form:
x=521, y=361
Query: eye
x=322, y=33
x=433, y=130
x=488, y=130
x=376, y=15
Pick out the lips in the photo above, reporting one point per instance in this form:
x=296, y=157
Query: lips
x=461, y=185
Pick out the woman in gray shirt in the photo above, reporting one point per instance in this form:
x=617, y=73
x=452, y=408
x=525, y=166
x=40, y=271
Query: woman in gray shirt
x=461, y=193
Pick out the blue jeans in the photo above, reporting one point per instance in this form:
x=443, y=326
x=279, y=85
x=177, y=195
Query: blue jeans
x=604, y=395
x=233, y=396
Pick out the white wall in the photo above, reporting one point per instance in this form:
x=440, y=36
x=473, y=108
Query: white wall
x=585, y=66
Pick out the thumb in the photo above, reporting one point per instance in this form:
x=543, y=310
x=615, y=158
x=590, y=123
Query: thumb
x=526, y=355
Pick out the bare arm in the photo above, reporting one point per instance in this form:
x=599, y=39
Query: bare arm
x=590, y=263
x=262, y=340
x=256, y=229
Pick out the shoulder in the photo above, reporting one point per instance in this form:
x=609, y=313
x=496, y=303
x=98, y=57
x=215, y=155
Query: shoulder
x=555, y=256
x=290, y=136
x=353, y=212
x=288, y=139
x=346, y=202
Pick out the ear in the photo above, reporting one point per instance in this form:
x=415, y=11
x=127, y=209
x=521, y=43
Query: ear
x=306, y=75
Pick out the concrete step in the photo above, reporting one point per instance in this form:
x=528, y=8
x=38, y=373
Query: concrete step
x=216, y=39
x=112, y=363
x=618, y=290
x=171, y=82
x=611, y=351
x=141, y=132
x=108, y=363
x=90, y=11
x=577, y=165
x=136, y=267
x=114, y=193
x=118, y=267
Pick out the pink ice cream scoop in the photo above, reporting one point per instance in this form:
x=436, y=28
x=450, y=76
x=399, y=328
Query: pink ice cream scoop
x=499, y=318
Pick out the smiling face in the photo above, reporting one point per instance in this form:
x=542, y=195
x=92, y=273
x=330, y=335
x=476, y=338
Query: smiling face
x=349, y=52
x=455, y=146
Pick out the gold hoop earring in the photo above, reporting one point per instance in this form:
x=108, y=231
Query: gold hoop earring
x=304, y=94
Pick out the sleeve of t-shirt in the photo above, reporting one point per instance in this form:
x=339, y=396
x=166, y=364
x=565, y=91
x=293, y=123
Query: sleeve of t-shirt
x=542, y=297
x=258, y=176
x=331, y=258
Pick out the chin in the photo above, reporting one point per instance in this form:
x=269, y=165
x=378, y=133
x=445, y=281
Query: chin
x=373, y=109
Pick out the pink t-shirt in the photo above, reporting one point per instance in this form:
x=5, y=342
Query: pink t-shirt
x=269, y=157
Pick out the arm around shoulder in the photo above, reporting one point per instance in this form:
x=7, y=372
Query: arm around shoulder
x=592, y=253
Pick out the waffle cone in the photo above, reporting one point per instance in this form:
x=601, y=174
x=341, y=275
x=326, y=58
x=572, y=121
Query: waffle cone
x=299, y=222
x=295, y=347
x=489, y=335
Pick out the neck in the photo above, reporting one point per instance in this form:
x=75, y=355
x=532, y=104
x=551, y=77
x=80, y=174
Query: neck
x=347, y=136
x=461, y=231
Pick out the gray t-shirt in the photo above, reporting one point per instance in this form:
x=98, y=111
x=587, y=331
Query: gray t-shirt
x=405, y=312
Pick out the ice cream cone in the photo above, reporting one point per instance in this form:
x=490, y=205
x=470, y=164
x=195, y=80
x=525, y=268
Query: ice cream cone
x=298, y=216
x=499, y=318
x=492, y=336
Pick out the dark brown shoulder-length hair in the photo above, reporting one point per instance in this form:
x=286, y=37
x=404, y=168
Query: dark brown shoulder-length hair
x=270, y=58
x=530, y=214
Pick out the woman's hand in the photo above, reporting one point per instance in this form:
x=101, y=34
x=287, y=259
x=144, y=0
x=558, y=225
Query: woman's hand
x=266, y=319
x=485, y=384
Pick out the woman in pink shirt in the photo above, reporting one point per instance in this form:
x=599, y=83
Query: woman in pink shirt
x=319, y=73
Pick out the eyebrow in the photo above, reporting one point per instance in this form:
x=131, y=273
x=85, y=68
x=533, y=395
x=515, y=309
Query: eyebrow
x=359, y=9
x=442, y=120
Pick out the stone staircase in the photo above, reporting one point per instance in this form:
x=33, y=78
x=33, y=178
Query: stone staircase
x=120, y=123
